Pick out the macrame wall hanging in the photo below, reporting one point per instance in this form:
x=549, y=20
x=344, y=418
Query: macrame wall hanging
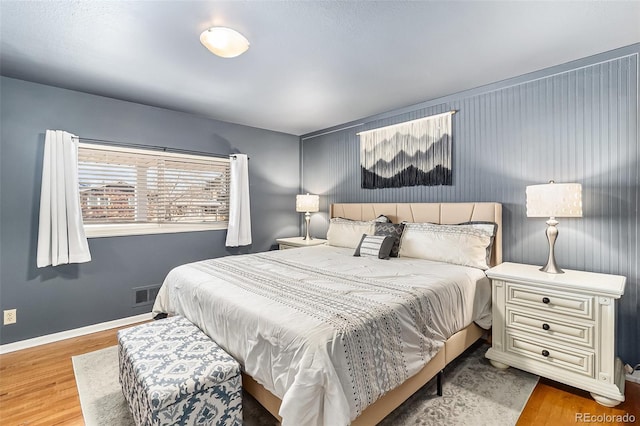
x=412, y=153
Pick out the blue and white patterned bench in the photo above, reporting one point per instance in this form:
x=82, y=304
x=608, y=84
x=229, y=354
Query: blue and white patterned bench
x=173, y=374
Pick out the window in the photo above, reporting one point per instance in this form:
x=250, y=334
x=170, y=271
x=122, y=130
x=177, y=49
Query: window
x=126, y=191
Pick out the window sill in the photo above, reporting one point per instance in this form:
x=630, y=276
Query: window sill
x=128, y=229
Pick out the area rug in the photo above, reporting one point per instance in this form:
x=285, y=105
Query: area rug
x=475, y=393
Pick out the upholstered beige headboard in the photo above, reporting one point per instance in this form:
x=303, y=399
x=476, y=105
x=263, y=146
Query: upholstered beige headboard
x=443, y=213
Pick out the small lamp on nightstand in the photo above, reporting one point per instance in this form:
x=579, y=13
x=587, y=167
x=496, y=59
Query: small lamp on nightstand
x=554, y=200
x=307, y=204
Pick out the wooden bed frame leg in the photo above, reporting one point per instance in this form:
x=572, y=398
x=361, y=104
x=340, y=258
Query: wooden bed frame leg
x=439, y=383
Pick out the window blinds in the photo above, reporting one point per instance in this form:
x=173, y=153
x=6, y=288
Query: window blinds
x=126, y=185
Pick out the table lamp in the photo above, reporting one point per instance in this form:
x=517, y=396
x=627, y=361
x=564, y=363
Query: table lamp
x=554, y=200
x=307, y=204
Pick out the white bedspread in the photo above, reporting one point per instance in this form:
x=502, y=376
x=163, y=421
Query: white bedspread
x=327, y=332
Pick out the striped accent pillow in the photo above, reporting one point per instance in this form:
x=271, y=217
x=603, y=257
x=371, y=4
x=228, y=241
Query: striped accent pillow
x=375, y=246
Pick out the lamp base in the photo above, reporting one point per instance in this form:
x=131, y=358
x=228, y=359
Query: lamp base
x=551, y=269
x=307, y=218
x=552, y=233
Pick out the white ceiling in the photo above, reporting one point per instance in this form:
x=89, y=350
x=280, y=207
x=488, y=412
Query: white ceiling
x=312, y=64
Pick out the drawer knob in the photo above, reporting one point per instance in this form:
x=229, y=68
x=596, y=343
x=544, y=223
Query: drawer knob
x=545, y=326
x=545, y=300
x=545, y=352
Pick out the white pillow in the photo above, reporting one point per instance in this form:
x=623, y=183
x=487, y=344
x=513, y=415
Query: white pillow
x=465, y=244
x=348, y=233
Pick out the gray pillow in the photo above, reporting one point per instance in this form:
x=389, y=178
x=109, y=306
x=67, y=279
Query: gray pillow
x=391, y=230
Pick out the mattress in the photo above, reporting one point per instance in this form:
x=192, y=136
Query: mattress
x=327, y=332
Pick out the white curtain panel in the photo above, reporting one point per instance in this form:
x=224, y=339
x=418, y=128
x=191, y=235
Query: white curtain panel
x=61, y=237
x=239, y=230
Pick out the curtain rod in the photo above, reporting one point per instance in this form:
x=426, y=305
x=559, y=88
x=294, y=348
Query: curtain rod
x=154, y=147
x=407, y=122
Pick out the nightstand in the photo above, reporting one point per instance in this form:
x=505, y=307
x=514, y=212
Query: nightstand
x=560, y=326
x=294, y=242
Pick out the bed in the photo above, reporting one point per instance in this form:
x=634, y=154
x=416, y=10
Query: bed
x=328, y=338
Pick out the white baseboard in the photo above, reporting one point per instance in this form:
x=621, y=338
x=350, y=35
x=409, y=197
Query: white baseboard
x=77, y=332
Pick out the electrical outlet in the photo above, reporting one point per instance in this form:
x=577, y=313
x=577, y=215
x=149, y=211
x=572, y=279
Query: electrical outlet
x=633, y=378
x=10, y=316
x=630, y=376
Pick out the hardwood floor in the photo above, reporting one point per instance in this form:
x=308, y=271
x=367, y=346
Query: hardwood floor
x=554, y=404
x=37, y=387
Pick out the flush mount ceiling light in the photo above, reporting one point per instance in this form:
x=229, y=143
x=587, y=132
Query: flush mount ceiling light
x=224, y=42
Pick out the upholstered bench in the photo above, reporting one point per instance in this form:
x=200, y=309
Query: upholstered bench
x=173, y=374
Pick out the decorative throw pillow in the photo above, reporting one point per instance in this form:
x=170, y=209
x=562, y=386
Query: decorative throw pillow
x=374, y=245
x=466, y=244
x=347, y=233
x=382, y=219
x=391, y=230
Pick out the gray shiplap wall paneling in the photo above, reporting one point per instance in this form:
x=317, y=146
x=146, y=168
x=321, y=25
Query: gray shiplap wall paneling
x=569, y=123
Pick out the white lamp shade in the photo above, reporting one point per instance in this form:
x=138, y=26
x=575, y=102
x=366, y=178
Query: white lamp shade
x=224, y=42
x=554, y=200
x=307, y=203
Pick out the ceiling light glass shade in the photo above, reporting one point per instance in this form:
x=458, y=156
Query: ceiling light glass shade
x=307, y=203
x=554, y=200
x=224, y=42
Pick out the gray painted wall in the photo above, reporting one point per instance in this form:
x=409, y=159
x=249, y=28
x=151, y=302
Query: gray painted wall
x=51, y=299
x=577, y=122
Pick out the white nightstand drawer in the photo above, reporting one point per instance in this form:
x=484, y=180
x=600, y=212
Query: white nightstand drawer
x=550, y=301
x=553, y=328
x=542, y=351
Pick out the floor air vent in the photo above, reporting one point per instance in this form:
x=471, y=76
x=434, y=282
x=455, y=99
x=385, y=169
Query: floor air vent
x=145, y=295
